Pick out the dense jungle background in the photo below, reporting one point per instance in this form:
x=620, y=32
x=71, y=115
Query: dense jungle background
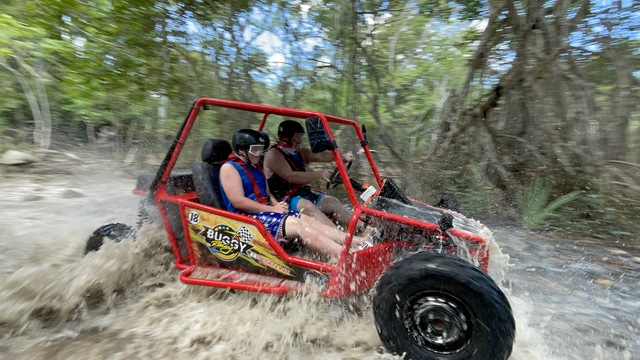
x=522, y=111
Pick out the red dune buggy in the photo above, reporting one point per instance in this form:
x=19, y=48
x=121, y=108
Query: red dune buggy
x=432, y=297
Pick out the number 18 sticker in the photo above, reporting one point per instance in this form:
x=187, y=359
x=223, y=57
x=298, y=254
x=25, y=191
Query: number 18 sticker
x=193, y=217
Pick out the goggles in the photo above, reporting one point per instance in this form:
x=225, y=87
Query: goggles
x=256, y=150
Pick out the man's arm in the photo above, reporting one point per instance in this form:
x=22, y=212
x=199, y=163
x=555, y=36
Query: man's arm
x=325, y=156
x=232, y=184
x=281, y=206
x=275, y=162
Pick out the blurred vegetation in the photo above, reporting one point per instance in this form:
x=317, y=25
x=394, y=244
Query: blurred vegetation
x=536, y=206
x=476, y=99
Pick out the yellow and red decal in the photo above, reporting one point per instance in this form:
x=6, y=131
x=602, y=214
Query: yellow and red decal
x=231, y=241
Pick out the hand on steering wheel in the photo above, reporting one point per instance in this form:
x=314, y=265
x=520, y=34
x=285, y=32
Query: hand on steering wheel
x=335, y=179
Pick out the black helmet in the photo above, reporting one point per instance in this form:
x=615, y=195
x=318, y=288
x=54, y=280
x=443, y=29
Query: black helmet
x=244, y=138
x=289, y=127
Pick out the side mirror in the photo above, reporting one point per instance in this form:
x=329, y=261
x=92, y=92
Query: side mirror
x=318, y=137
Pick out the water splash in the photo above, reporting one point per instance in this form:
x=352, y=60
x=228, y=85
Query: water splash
x=125, y=301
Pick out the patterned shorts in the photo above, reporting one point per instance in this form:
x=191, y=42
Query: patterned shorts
x=274, y=222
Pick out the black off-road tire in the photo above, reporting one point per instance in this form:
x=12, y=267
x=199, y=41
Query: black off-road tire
x=116, y=232
x=436, y=306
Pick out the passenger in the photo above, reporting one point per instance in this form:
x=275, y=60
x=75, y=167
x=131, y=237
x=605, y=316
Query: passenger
x=245, y=191
x=285, y=166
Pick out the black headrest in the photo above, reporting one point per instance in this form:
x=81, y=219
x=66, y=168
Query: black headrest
x=265, y=136
x=215, y=150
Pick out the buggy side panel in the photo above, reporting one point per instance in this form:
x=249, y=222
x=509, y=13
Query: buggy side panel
x=219, y=241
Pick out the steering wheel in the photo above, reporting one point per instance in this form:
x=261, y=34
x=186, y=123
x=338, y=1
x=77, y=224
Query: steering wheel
x=335, y=179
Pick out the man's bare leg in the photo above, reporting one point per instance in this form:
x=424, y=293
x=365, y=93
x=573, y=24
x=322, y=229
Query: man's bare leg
x=342, y=215
x=329, y=231
x=332, y=206
x=308, y=208
x=312, y=238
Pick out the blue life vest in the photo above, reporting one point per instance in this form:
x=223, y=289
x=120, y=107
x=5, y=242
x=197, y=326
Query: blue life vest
x=254, y=184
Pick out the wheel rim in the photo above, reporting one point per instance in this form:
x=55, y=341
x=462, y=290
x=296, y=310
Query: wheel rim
x=438, y=323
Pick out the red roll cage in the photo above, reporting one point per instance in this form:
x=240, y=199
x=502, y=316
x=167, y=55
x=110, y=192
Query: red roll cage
x=346, y=277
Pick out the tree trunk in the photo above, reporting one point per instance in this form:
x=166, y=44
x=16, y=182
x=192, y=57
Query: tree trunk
x=91, y=133
x=37, y=100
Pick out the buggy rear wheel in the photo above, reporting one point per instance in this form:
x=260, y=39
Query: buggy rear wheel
x=116, y=232
x=436, y=306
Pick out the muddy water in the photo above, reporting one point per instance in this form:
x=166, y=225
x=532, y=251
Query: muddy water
x=572, y=299
x=581, y=295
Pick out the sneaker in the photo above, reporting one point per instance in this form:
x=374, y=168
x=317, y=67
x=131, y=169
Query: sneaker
x=375, y=235
x=365, y=245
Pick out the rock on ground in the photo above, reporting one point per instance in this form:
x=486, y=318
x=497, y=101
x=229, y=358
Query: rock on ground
x=15, y=157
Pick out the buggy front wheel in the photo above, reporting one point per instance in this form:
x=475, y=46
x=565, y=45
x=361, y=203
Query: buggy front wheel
x=436, y=306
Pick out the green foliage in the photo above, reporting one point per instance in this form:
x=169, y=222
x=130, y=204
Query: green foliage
x=110, y=60
x=12, y=96
x=599, y=215
x=535, y=205
x=126, y=63
x=468, y=189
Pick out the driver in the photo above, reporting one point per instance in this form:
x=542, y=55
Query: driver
x=285, y=166
x=245, y=191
